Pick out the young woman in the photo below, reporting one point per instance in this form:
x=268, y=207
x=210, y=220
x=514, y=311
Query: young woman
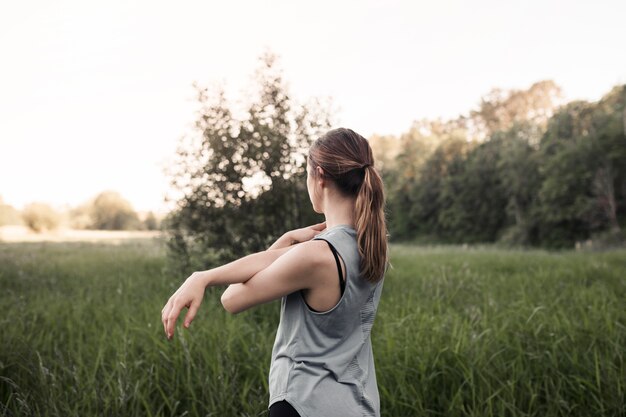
x=329, y=278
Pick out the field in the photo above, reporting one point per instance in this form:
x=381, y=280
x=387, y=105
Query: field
x=459, y=332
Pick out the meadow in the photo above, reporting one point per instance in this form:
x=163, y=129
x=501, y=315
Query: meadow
x=478, y=332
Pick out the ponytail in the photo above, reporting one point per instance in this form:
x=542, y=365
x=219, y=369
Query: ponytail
x=371, y=227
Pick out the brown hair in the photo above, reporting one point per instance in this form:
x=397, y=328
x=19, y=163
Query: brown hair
x=347, y=159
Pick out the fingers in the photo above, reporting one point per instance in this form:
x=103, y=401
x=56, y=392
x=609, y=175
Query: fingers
x=163, y=319
x=171, y=318
x=170, y=313
x=193, y=309
x=319, y=226
x=189, y=295
x=164, y=313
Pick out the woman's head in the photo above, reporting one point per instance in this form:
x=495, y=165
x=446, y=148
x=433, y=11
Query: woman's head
x=344, y=159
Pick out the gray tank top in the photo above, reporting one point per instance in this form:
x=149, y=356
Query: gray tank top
x=322, y=362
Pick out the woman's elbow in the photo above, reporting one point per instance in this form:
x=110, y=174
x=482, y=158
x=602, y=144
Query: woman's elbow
x=229, y=303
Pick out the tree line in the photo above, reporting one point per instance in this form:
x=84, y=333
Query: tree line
x=108, y=210
x=522, y=169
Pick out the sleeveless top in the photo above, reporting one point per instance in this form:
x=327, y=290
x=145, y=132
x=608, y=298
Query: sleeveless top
x=322, y=362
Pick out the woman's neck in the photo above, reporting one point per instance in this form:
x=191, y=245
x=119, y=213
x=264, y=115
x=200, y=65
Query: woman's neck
x=339, y=210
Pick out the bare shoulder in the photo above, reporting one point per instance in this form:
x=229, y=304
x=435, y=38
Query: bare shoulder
x=313, y=252
x=320, y=261
x=315, y=257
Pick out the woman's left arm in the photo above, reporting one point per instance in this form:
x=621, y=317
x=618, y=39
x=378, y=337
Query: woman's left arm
x=242, y=269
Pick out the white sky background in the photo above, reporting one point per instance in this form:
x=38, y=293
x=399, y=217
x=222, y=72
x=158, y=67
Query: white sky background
x=94, y=96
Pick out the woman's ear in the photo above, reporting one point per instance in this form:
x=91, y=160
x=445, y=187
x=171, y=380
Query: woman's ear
x=320, y=173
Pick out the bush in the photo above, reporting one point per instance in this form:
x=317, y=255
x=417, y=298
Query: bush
x=110, y=211
x=514, y=236
x=9, y=215
x=606, y=239
x=40, y=216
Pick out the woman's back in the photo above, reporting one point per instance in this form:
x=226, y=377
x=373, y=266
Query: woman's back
x=322, y=362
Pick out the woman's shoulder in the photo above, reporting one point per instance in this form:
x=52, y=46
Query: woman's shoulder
x=314, y=251
x=338, y=231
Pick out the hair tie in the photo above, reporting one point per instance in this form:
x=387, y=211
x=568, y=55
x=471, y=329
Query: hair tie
x=366, y=165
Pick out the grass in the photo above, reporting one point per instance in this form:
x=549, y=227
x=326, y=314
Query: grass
x=477, y=332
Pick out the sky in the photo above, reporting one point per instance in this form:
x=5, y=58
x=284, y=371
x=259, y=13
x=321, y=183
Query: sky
x=95, y=96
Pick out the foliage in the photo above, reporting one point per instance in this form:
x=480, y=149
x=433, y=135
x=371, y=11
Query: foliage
x=110, y=211
x=9, y=214
x=414, y=184
x=500, y=110
x=474, y=199
x=518, y=171
x=583, y=179
x=219, y=217
x=40, y=217
x=151, y=222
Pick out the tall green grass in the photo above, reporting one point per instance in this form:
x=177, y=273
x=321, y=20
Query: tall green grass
x=459, y=333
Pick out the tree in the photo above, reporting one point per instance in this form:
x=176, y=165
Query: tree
x=566, y=172
x=430, y=198
x=500, y=109
x=473, y=195
x=385, y=149
x=110, y=211
x=582, y=169
x=518, y=170
x=243, y=183
x=151, y=222
x=40, y=216
x=608, y=137
x=9, y=214
x=403, y=174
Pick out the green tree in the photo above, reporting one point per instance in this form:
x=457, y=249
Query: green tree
x=565, y=198
x=583, y=175
x=429, y=198
x=608, y=154
x=472, y=195
x=518, y=170
x=221, y=215
x=403, y=174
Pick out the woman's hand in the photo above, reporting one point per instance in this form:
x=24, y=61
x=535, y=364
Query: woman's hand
x=295, y=236
x=189, y=295
x=306, y=233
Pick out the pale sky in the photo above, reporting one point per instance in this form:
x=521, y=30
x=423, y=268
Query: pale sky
x=94, y=96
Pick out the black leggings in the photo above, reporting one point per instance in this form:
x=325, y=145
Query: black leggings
x=283, y=409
